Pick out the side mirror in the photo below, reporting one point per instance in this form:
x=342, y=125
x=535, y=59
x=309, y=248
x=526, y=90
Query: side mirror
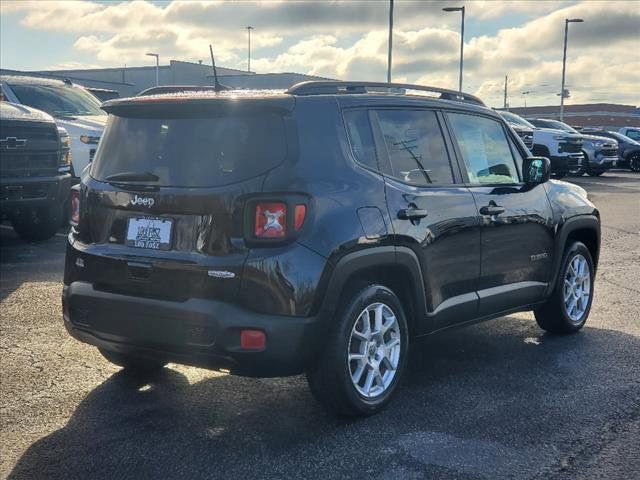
x=536, y=170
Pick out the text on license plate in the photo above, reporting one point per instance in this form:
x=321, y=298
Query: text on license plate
x=154, y=233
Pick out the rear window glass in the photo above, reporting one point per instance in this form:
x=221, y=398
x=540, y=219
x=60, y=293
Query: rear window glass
x=192, y=152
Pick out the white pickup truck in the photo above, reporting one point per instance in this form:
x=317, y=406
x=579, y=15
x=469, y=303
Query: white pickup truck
x=563, y=149
x=71, y=106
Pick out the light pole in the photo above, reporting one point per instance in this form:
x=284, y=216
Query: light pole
x=567, y=21
x=459, y=9
x=390, y=41
x=249, y=28
x=157, y=55
x=525, y=102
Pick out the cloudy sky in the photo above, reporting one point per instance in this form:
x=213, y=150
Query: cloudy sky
x=348, y=40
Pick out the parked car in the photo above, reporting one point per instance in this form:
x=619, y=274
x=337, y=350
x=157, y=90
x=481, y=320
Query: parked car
x=72, y=106
x=563, y=149
x=34, y=171
x=598, y=153
x=523, y=128
x=317, y=230
x=632, y=132
x=628, y=149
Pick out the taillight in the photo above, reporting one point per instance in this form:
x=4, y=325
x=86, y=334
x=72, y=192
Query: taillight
x=74, y=218
x=271, y=220
x=275, y=220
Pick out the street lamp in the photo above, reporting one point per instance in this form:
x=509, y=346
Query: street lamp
x=390, y=41
x=459, y=9
x=525, y=102
x=249, y=28
x=157, y=55
x=563, y=93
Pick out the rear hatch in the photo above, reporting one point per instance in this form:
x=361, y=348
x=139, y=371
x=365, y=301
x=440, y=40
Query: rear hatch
x=162, y=207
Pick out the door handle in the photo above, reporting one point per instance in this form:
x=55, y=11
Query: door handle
x=492, y=210
x=412, y=213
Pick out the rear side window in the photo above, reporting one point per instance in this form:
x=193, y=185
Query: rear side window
x=192, y=152
x=485, y=149
x=361, y=138
x=417, y=153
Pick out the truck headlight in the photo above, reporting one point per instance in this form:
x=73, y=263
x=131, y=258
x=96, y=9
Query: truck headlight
x=64, y=163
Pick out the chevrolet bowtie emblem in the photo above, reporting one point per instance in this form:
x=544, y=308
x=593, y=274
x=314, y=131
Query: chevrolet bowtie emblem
x=13, y=143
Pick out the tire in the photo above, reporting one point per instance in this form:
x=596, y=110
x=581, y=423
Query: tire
x=331, y=379
x=555, y=315
x=593, y=172
x=634, y=162
x=132, y=363
x=560, y=174
x=38, y=224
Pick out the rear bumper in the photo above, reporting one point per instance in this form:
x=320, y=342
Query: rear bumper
x=204, y=333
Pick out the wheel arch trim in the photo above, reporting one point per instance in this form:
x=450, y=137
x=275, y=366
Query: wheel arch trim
x=573, y=224
x=376, y=257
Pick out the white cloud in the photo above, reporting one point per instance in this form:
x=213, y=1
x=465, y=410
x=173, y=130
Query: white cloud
x=349, y=40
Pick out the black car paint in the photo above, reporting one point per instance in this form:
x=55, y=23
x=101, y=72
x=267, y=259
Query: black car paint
x=458, y=265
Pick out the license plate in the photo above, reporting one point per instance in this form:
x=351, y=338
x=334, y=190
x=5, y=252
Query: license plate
x=152, y=233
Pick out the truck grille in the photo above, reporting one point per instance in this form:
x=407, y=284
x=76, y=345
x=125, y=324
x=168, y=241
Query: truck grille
x=609, y=151
x=30, y=132
x=28, y=164
x=573, y=146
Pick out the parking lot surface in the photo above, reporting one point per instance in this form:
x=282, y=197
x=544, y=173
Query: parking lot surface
x=497, y=400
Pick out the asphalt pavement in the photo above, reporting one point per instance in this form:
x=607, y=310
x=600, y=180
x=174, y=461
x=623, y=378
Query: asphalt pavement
x=497, y=400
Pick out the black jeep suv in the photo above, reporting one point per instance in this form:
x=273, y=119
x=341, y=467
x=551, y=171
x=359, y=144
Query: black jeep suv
x=317, y=230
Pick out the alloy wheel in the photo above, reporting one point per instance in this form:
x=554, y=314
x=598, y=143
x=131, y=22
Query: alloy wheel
x=577, y=288
x=374, y=350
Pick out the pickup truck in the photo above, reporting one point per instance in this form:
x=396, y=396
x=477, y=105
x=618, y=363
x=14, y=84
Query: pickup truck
x=563, y=149
x=35, y=166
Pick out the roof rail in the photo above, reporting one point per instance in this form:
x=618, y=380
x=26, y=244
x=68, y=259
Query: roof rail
x=336, y=87
x=182, y=88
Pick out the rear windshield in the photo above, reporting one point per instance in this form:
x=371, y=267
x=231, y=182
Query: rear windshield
x=192, y=152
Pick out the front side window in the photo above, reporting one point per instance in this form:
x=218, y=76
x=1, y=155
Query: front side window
x=485, y=149
x=417, y=153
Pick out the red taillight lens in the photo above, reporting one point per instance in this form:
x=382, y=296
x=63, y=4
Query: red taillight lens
x=271, y=220
x=301, y=211
x=252, y=340
x=74, y=218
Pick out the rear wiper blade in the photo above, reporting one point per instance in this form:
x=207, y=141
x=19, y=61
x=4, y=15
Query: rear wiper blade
x=133, y=177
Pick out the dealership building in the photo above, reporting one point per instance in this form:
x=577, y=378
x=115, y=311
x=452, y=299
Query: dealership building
x=129, y=81
x=587, y=115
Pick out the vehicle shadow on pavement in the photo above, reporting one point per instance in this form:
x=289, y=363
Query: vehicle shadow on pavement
x=495, y=400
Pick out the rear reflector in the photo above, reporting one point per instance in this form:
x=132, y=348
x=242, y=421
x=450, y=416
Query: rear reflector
x=271, y=220
x=74, y=218
x=252, y=340
x=300, y=213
